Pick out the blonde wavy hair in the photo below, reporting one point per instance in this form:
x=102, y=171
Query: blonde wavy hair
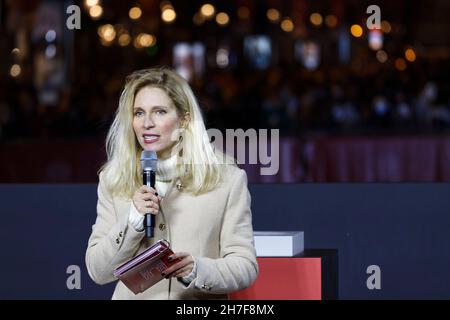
x=200, y=165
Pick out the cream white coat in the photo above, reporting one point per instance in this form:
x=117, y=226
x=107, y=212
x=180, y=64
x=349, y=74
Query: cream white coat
x=216, y=228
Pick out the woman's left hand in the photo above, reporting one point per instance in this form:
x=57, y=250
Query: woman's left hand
x=182, y=268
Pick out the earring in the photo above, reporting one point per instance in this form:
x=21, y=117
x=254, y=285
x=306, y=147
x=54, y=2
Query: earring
x=181, y=131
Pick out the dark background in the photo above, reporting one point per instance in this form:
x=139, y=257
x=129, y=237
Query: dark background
x=351, y=113
x=402, y=228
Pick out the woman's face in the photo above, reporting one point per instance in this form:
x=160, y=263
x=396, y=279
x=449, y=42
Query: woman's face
x=155, y=120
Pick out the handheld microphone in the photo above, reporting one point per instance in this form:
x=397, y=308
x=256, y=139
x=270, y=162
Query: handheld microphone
x=148, y=163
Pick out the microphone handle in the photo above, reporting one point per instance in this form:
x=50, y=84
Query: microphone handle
x=149, y=220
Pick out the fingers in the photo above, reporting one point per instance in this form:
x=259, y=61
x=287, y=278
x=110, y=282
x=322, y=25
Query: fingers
x=145, y=207
x=148, y=207
x=180, y=255
x=149, y=193
x=183, y=272
x=146, y=200
x=147, y=189
x=147, y=203
x=149, y=196
x=181, y=268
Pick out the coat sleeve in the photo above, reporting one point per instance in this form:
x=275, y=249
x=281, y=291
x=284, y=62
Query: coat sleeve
x=237, y=268
x=112, y=242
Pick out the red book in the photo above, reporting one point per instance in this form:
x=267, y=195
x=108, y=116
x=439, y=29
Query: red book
x=144, y=270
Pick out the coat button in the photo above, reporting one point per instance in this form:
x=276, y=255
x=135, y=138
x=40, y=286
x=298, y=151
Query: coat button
x=117, y=240
x=179, y=186
x=120, y=234
x=206, y=287
x=162, y=226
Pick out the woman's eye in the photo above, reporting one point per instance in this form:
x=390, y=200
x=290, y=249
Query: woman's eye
x=138, y=113
x=160, y=111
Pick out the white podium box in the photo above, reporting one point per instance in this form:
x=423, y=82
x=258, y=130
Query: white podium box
x=278, y=243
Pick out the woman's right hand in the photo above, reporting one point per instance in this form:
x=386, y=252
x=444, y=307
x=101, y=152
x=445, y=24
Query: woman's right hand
x=146, y=200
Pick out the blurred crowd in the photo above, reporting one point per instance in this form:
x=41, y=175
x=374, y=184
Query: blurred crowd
x=377, y=99
x=64, y=83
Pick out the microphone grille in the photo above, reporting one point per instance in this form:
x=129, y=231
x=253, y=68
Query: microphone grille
x=148, y=160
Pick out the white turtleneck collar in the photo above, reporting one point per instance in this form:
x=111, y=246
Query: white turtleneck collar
x=166, y=169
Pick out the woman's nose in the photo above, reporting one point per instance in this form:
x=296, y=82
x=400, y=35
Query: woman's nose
x=148, y=122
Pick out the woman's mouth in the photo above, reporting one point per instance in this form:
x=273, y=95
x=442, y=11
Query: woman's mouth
x=150, y=138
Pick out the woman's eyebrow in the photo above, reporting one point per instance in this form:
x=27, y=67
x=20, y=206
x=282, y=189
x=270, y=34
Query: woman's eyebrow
x=152, y=107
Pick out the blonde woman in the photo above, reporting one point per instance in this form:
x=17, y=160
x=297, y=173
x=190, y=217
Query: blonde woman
x=201, y=202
